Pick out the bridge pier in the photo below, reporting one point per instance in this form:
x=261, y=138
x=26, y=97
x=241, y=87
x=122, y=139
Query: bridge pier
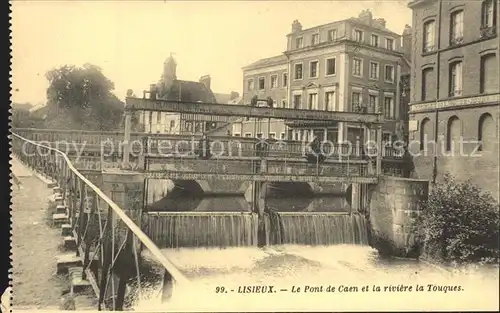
x=393, y=204
x=259, y=195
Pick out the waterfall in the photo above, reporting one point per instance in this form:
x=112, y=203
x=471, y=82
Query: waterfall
x=318, y=228
x=233, y=229
x=201, y=229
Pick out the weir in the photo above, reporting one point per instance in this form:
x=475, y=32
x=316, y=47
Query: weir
x=236, y=229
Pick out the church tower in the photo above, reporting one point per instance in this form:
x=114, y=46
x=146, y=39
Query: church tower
x=169, y=73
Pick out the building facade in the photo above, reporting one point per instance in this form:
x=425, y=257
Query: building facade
x=171, y=88
x=351, y=65
x=455, y=91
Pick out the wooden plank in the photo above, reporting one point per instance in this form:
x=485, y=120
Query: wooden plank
x=262, y=177
x=248, y=111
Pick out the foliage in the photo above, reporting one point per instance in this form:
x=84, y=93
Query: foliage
x=82, y=98
x=460, y=224
x=21, y=118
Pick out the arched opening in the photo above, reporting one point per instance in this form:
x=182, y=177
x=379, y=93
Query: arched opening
x=452, y=133
x=425, y=134
x=486, y=132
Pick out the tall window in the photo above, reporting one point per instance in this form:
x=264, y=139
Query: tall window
x=456, y=27
x=330, y=101
x=373, y=70
x=332, y=35
x=315, y=39
x=299, y=41
x=285, y=79
x=313, y=69
x=283, y=103
x=297, y=101
x=429, y=40
x=356, y=67
x=373, y=103
x=330, y=66
x=389, y=108
x=158, y=117
x=374, y=40
x=298, y=71
x=274, y=81
x=455, y=79
x=262, y=83
x=358, y=35
x=389, y=73
x=486, y=132
x=250, y=85
x=425, y=133
x=427, y=83
x=453, y=134
x=389, y=44
x=312, y=101
x=488, y=17
x=489, y=74
x=356, y=101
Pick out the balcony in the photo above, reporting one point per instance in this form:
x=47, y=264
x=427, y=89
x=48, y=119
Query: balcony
x=455, y=93
x=456, y=41
x=429, y=48
x=488, y=31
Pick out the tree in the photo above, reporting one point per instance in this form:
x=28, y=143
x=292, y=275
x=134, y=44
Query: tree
x=81, y=97
x=460, y=224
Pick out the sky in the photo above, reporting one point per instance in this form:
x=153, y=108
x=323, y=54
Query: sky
x=130, y=40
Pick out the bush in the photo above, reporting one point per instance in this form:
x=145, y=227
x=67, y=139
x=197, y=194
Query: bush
x=460, y=224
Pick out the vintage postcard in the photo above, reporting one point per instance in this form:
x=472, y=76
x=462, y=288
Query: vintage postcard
x=229, y=156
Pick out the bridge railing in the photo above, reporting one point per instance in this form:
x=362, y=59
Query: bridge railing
x=112, y=141
x=108, y=239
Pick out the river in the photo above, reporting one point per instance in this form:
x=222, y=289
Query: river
x=345, y=268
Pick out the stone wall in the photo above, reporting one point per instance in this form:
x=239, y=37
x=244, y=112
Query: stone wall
x=392, y=204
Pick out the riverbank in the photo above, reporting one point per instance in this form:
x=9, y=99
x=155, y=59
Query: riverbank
x=35, y=246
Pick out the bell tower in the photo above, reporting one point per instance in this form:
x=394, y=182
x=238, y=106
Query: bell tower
x=169, y=72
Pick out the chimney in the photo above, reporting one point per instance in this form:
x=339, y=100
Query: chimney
x=407, y=41
x=152, y=91
x=366, y=16
x=296, y=26
x=381, y=22
x=205, y=80
x=234, y=95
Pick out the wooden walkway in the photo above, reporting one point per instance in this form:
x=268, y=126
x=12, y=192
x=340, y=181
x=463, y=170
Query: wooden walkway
x=35, y=246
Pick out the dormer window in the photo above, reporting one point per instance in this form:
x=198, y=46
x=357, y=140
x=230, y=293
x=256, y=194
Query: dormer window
x=358, y=35
x=374, y=41
x=315, y=39
x=389, y=44
x=299, y=42
x=332, y=35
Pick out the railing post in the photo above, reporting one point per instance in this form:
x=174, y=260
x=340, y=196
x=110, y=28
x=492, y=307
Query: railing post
x=127, y=254
x=106, y=259
x=126, y=141
x=90, y=206
x=81, y=216
x=379, y=150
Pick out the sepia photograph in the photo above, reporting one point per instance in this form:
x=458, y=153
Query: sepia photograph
x=253, y=156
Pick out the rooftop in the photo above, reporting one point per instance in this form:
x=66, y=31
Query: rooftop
x=279, y=59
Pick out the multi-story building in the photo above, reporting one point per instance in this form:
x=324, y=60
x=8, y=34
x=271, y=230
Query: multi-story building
x=349, y=65
x=264, y=78
x=171, y=88
x=455, y=90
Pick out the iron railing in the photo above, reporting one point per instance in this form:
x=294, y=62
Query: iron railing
x=108, y=240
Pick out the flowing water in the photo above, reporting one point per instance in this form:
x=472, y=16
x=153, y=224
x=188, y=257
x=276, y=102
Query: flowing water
x=346, y=268
x=313, y=246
